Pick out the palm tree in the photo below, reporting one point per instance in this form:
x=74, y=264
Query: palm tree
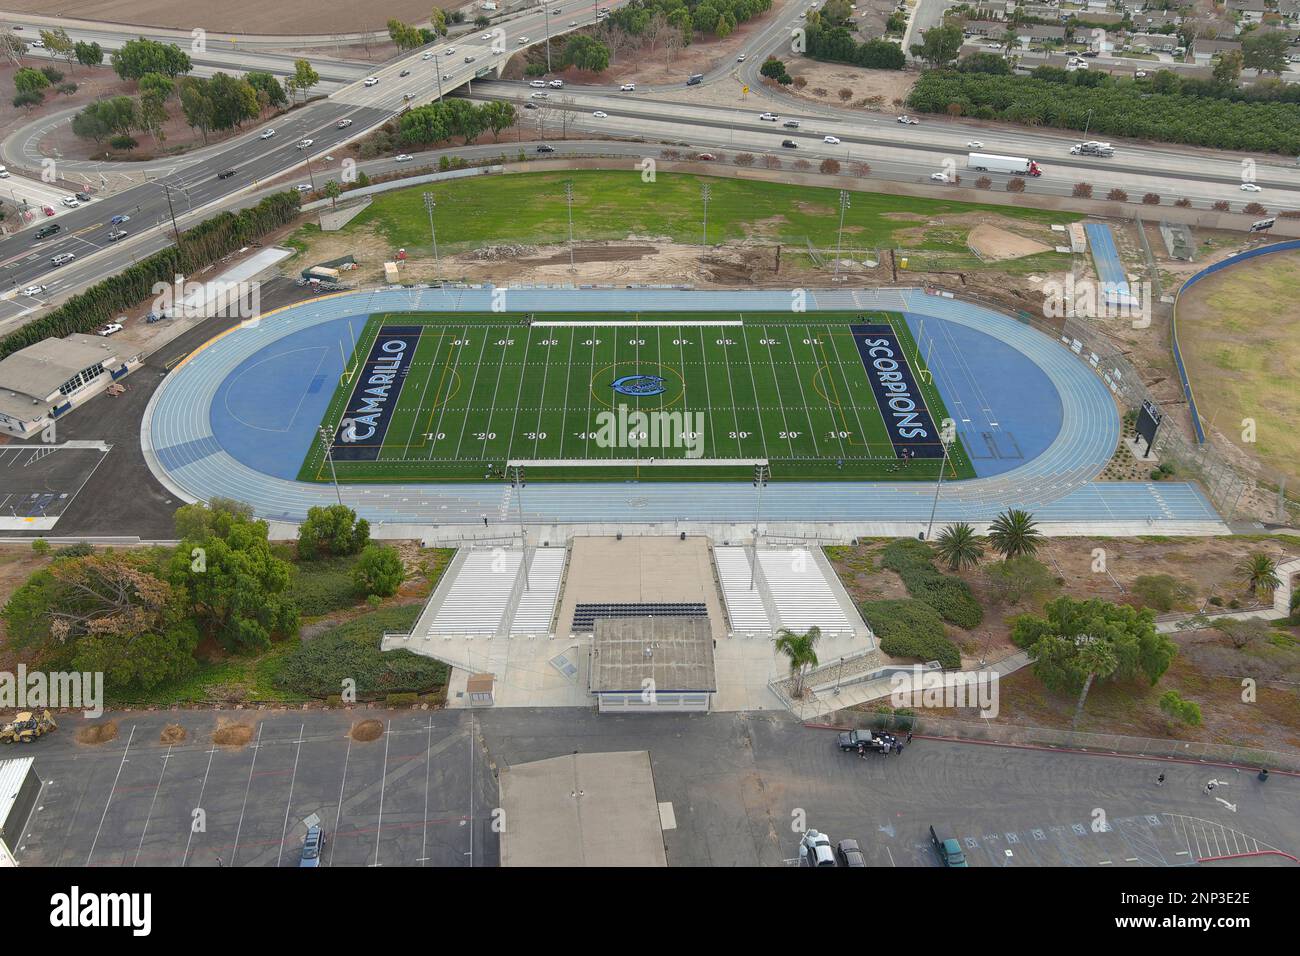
x=1100, y=661
x=800, y=648
x=1258, y=573
x=956, y=544
x=1013, y=533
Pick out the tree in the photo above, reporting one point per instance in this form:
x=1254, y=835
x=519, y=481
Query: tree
x=304, y=77
x=1013, y=533
x=801, y=649
x=1082, y=190
x=1265, y=51
x=1258, y=574
x=379, y=571
x=957, y=547
x=405, y=37
x=333, y=191
x=1117, y=195
x=1227, y=69
x=773, y=68
x=89, y=124
x=105, y=612
x=1061, y=644
x=89, y=54
x=1018, y=578
x=155, y=84
x=332, y=530
x=151, y=115
x=586, y=53
x=438, y=21
x=197, y=105
x=60, y=44
x=235, y=584
x=1151, y=199
x=1015, y=185
x=1188, y=711
x=1242, y=632
x=138, y=57
x=269, y=90
x=939, y=46
x=830, y=167
x=28, y=80
x=497, y=116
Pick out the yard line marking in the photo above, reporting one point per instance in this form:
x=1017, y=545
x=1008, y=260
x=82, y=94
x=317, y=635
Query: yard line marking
x=776, y=380
x=568, y=376
x=338, y=814
x=433, y=440
x=110, y=795
x=487, y=428
x=152, y=803
x=383, y=779
x=523, y=373
x=731, y=390
x=591, y=394
x=758, y=404
x=428, y=766
x=478, y=366
x=257, y=746
x=541, y=400
x=803, y=397
x=443, y=379
x=839, y=362
x=202, y=790
x=471, y=789
x=415, y=418
x=289, y=800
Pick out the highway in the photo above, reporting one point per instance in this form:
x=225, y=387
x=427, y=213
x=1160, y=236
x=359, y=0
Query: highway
x=673, y=114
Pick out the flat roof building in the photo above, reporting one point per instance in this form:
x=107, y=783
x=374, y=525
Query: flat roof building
x=652, y=664
x=43, y=381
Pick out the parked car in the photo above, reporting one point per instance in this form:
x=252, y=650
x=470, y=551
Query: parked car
x=111, y=329
x=849, y=853
x=948, y=848
x=815, y=850
x=83, y=197
x=48, y=210
x=312, y=845
x=849, y=740
x=70, y=201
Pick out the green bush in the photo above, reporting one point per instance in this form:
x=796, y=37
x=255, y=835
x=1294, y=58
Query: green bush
x=317, y=668
x=405, y=699
x=911, y=628
x=1159, y=591
x=79, y=550
x=379, y=571
x=321, y=586
x=41, y=547
x=913, y=561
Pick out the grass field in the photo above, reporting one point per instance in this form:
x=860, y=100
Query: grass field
x=530, y=208
x=433, y=397
x=1238, y=332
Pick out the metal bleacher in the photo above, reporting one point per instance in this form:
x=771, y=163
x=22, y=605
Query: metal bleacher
x=745, y=607
x=802, y=595
x=537, y=603
x=585, y=615
x=479, y=595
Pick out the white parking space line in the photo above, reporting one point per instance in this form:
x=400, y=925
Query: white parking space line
x=338, y=816
x=203, y=788
x=428, y=768
x=257, y=744
x=109, y=802
x=383, y=779
x=288, y=802
x=152, y=803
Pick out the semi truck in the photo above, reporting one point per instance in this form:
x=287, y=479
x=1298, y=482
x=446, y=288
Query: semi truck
x=988, y=163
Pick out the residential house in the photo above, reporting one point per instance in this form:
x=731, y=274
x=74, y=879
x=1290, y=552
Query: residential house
x=1248, y=11
x=1153, y=42
x=1037, y=34
x=993, y=29
x=1203, y=51
x=992, y=9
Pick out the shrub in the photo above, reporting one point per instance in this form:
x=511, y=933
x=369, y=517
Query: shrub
x=379, y=571
x=41, y=547
x=30, y=98
x=79, y=550
x=949, y=596
x=123, y=142
x=67, y=89
x=1015, y=185
x=984, y=182
x=830, y=167
x=1151, y=199
x=404, y=699
x=1159, y=591
x=335, y=530
x=1189, y=712
x=911, y=629
x=321, y=586
x=1182, y=203
x=1220, y=205
x=1083, y=190
x=1018, y=578
x=1117, y=195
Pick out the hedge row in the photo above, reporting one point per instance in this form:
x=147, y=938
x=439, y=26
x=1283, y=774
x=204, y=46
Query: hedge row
x=199, y=248
x=950, y=596
x=911, y=628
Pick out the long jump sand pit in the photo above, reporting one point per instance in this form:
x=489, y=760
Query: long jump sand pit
x=1239, y=333
x=994, y=245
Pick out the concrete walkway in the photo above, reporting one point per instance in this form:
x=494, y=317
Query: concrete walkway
x=1281, y=604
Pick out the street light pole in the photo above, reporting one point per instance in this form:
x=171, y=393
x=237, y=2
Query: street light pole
x=706, y=192
x=839, y=236
x=429, y=205
x=568, y=196
x=546, y=6
x=437, y=71
x=761, y=474
x=937, y=485
x=325, y=438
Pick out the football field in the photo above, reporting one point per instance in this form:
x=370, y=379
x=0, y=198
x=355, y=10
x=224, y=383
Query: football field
x=668, y=396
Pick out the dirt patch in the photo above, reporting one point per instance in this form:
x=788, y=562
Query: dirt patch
x=367, y=730
x=172, y=734
x=882, y=91
x=242, y=17
x=95, y=734
x=230, y=734
x=993, y=244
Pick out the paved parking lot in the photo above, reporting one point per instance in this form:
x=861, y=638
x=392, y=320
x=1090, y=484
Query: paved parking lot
x=422, y=793
x=38, y=481
x=418, y=795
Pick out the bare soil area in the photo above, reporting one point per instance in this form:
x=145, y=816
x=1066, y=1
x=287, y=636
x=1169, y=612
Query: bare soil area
x=95, y=734
x=879, y=90
x=993, y=244
x=364, y=731
x=232, y=734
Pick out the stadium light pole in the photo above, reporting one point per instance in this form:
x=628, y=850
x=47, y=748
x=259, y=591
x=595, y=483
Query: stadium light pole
x=761, y=474
x=839, y=236
x=517, y=481
x=706, y=193
x=329, y=456
x=568, y=197
x=430, y=205
x=934, y=505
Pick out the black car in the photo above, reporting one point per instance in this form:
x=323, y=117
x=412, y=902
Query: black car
x=225, y=174
x=849, y=853
x=789, y=144
x=46, y=231
x=530, y=106
x=545, y=149
x=82, y=197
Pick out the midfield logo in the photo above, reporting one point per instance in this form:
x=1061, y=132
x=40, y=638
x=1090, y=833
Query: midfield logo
x=640, y=386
